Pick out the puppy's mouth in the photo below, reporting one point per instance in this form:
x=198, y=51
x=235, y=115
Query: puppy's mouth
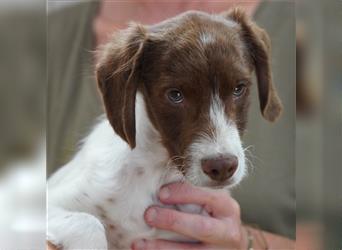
x=220, y=185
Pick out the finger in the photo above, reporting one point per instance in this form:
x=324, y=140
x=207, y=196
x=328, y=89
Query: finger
x=204, y=229
x=216, y=202
x=166, y=245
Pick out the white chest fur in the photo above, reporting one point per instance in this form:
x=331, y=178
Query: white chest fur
x=109, y=181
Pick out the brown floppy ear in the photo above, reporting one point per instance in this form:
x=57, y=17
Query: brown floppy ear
x=118, y=79
x=259, y=48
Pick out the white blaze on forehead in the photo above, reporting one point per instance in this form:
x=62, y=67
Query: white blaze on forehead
x=224, y=139
x=225, y=133
x=229, y=22
x=206, y=38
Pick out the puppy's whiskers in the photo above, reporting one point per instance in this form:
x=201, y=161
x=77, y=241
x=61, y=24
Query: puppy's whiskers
x=249, y=156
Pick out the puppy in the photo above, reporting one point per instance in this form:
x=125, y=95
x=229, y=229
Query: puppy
x=176, y=98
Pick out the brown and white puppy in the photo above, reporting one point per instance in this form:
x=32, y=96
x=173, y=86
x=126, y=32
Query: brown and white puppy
x=176, y=95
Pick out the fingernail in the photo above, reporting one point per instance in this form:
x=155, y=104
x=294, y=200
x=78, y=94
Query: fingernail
x=164, y=193
x=139, y=245
x=151, y=215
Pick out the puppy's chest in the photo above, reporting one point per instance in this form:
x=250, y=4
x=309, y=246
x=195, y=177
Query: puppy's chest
x=122, y=210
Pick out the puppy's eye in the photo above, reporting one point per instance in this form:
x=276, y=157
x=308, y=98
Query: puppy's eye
x=239, y=90
x=175, y=96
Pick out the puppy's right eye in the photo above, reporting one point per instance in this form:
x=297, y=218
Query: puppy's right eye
x=175, y=96
x=239, y=90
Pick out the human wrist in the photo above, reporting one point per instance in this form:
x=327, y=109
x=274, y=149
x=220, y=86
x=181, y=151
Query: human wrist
x=255, y=238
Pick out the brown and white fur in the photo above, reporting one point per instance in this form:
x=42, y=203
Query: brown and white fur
x=98, y=199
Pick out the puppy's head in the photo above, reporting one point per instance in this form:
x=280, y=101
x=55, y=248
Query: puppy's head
x=194, y=73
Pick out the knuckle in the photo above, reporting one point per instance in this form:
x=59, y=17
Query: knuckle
x=205, y=228
x=171, y=219
x=219, y=197
x=233, y=234
x=154, y=244
x=216, y=197
x=235, y=237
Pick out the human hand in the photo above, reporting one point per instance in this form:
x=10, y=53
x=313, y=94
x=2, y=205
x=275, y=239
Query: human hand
x=221, y=230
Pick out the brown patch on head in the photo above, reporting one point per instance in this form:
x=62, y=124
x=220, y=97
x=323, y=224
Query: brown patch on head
x=201, y=56
x=117, y=76
x=259, y=46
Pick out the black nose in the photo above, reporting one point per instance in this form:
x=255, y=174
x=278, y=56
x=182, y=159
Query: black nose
x=220, y=169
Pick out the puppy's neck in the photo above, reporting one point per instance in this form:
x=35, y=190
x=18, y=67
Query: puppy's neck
x=147, y=136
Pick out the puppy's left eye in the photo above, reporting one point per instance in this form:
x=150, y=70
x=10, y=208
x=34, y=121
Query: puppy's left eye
x=175, y=96
x=239, y=90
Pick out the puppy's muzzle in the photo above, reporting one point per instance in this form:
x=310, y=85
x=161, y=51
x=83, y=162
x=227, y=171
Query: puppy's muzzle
x=220, y=168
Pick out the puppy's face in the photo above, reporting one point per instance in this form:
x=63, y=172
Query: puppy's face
x=194, y=72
